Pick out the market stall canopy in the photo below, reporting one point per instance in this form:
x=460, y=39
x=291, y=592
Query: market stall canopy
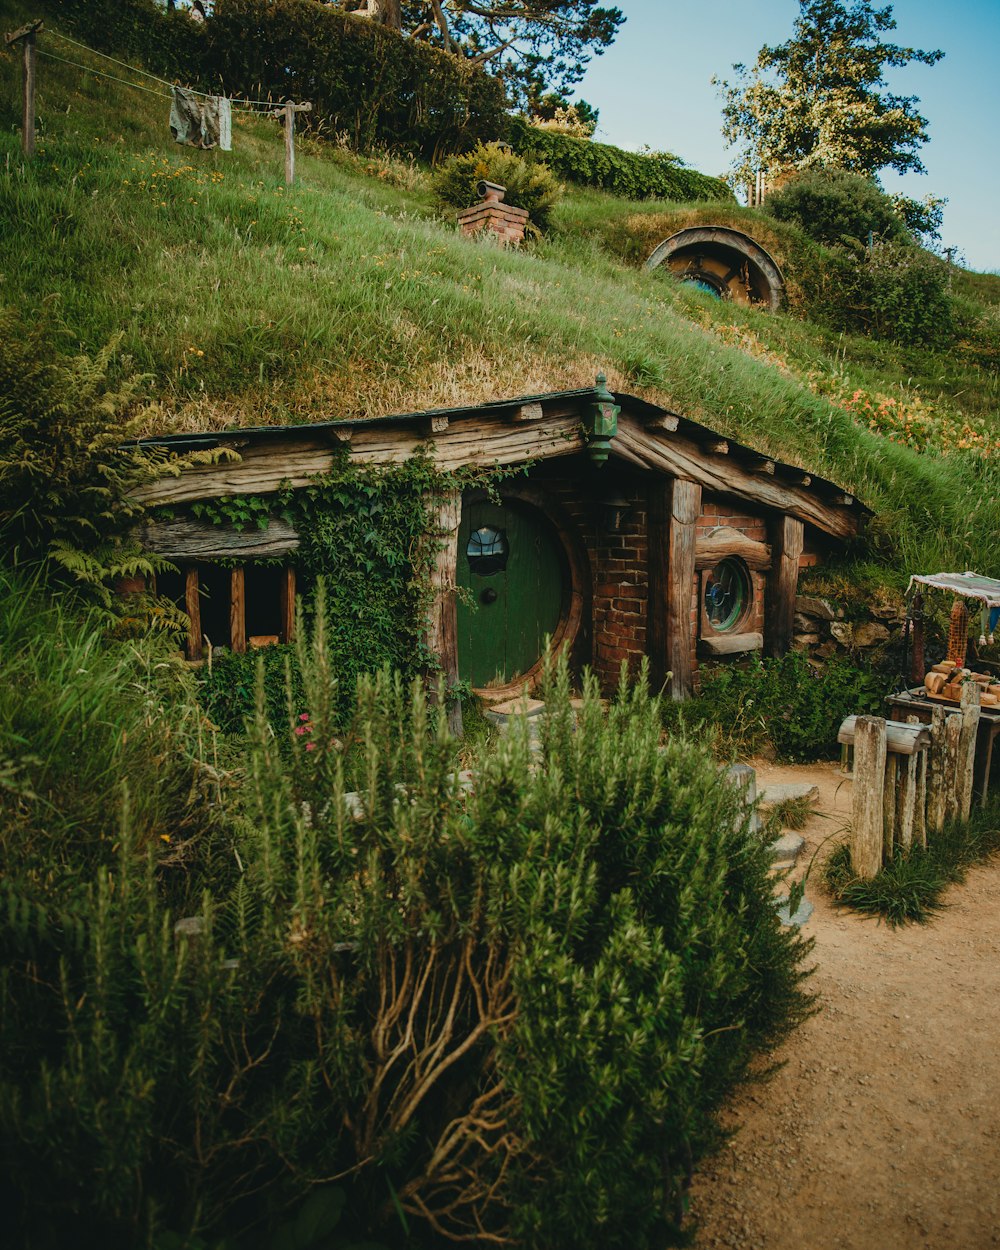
x=968, y=585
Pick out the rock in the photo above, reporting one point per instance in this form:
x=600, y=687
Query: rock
x=190, y=927
x=810, y=605
x=785, y=850
x=802, y=642
x=843, y=631
x=806, y=624
x=744, y=778
x=870, y=634
x=826, y=650
x=520, y=706
x=780, y=792
x=805, y=910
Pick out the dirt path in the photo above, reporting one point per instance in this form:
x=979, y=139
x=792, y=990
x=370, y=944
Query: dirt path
x=882, y=1130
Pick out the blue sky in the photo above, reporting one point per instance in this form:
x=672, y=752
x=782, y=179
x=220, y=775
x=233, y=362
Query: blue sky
x=653, y=87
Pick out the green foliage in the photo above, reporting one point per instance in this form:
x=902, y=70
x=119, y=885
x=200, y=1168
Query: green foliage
x=793, y=813
x=518, y=1006
x=911, y=888
x=227, y=687
x=65, y=476
x=785, y=704
x=819, y=100
x=637, y=175
x=361, y=78
x=836, y=206
x=530, y=184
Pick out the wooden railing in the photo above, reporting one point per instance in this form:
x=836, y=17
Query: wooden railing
x=910, y=779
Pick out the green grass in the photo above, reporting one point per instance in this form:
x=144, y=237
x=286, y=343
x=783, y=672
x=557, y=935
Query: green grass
x=347, y=295
x=911, y=888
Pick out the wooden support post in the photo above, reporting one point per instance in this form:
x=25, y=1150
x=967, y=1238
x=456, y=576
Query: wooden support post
x=287, y=113
x=685, y=508
x=442, y=625
x=936, y=776
x=867, y=825
x=920, y=792
x=906, y=795
x=967, y=747
x=237, y=611
x=287, y=606
x=192, y=606
x=952, y=764
x=889, y=803
x=787, y=538
x=658, y=579
x=25, y=35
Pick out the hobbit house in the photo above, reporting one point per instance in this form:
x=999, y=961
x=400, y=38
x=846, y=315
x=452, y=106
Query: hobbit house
x=624, y=530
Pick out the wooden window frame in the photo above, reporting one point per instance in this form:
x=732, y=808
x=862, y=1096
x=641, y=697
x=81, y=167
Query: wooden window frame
x=194, y=649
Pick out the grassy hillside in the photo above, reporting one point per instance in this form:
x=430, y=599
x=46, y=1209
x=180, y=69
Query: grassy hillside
x=348, y=295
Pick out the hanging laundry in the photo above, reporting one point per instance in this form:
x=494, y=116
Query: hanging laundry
x=201, y=121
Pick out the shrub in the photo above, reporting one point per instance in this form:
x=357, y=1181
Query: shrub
x=510, y=1012
x=634, y=175
x=835, y=206
x=786, y=704
x=530, y=184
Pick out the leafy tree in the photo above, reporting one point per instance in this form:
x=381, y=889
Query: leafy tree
x=820, y=98
x=533, y=44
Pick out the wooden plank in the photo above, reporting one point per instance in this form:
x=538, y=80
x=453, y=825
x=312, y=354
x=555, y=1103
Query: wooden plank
x=685, y=508
x=867, y=818
x=717, y=446
x=889, y=779
x=237, y=611
x=658, y=576
x=901, y=738
x=287, y=605
x=435, y=425
x=787, y=538
x=668, y=422
x=952, y=743
x=192, y=606
x=683, y=458
x=730, y=644
x=936, y=786
x=442, y=624
x=920, y=792
x=967, y=747
x=186, y=539
x=906, y=794
x=528, y=412
x=725, y=541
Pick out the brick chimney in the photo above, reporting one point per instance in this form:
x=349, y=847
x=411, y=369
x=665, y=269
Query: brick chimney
x=505, y=221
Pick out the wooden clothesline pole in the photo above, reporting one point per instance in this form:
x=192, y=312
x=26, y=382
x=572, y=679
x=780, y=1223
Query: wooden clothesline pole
x=26, y=36
x=288, y=111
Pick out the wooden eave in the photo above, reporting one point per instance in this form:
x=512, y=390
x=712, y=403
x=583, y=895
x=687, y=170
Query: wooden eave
x=504, y=433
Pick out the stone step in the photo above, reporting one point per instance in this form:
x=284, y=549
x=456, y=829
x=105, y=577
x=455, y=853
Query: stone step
x=803, y=912
x=785, y=850
x=781, y=792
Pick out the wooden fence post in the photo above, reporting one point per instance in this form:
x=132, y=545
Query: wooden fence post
x=920, y=791
x=442, y=624
x=26, y=36
x=952, y=750
x=936, y=788
x=867, y=826
x=889, y=803
x=967, y=747
x=287, y=114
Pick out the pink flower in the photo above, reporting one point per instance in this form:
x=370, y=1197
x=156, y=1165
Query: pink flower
x=310, y=746
x=303, y=716
x=300, y=729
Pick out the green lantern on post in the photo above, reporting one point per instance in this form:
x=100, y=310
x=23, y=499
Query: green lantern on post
x=603, y=424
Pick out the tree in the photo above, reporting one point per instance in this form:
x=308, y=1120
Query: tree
x=820, y=99
x=533, y=44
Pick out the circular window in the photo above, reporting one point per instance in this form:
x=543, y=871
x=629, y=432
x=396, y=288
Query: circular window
x=728, y=594
x=705, y=282
x=487, y=551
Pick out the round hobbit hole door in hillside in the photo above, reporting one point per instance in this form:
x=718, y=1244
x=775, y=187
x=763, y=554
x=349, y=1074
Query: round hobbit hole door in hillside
x=511, y=566
x=728, y=595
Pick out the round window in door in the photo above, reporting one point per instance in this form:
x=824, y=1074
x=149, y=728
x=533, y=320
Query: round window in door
x=511, y=566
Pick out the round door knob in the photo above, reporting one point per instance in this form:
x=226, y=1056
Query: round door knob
x=489, y=595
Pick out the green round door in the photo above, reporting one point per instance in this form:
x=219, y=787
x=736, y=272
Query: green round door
x=509, y=563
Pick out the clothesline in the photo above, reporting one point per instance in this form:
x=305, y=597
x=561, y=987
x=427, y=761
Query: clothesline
x=253, y=106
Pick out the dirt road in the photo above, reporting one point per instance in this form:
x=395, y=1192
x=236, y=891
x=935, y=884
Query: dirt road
x=882, y=1130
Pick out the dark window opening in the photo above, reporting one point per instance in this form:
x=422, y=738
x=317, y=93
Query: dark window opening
x=214, y=596
x=728, y=595
x=263, y=593
x=171, y=586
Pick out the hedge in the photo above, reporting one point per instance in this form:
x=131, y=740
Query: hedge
x=630, y=174
x=361, y=78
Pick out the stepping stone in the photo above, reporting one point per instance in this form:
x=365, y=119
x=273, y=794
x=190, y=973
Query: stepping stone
x=744, y=778
x=780, y=793
x=500, y=713
x=805, y=910
x=785, y=851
